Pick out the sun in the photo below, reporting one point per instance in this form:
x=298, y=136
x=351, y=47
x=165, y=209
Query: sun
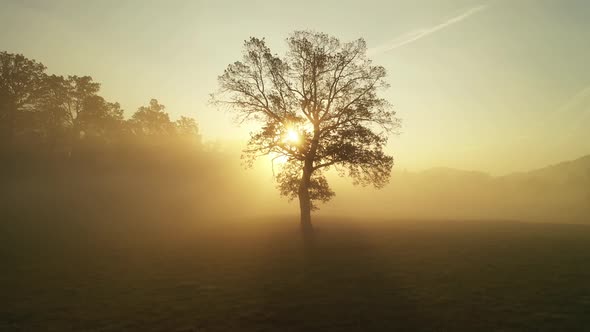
x=292, y=136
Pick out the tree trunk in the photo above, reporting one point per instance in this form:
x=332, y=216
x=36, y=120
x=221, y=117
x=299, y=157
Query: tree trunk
x=304, y=196
x=305, y=202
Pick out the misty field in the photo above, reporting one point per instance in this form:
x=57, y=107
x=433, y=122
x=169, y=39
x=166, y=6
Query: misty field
x=229, y=166
x=256, y=275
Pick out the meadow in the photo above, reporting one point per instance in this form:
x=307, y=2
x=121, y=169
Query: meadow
x=257, y=275
x=445, y=144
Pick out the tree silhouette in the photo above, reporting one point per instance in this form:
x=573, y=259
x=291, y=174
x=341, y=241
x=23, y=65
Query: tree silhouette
x=318, y=107
x=71, y=109
x=100, y=119
x=20, y=83
x=152, y=121
x=81, y=90
x=51, y=116
x=188, y=129
x=52, y=110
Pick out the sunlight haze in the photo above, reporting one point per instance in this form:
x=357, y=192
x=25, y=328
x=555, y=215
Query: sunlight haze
x=297, y=166
x=497, y=86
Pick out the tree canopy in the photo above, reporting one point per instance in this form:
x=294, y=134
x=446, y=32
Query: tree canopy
x=318, y=107
x=56, y=114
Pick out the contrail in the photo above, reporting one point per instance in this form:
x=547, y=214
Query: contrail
x=579, y=121
x=412, y=36
x=575, y=100
x=561, y=114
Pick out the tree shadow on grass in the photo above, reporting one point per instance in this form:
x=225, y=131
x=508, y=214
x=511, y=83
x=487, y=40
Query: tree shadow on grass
x=336, y=282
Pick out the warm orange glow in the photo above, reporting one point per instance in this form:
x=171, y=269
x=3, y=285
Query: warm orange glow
x=292, y=137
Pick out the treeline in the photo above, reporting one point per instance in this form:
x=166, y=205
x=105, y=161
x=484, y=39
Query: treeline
x=64, y=119
x=68, y=156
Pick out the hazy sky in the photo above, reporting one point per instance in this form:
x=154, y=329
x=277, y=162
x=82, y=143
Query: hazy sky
x=496, y=86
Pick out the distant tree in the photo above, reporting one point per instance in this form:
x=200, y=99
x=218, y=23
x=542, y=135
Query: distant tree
x=80, y=91
x=187, y=128
x=100, y=119
x=152, y=120
x=70, y=108
x=318, y=107
x=20, y=82
x=47, y=117
x=52, y=110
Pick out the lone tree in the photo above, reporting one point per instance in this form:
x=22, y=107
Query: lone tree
x=318, y=107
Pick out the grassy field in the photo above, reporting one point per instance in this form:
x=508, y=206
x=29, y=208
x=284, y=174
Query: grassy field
x=357, y=276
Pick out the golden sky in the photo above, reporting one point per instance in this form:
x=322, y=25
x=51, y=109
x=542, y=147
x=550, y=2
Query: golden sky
x=497, y=86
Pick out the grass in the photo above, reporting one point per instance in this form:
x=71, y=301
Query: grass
x=412, y=276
